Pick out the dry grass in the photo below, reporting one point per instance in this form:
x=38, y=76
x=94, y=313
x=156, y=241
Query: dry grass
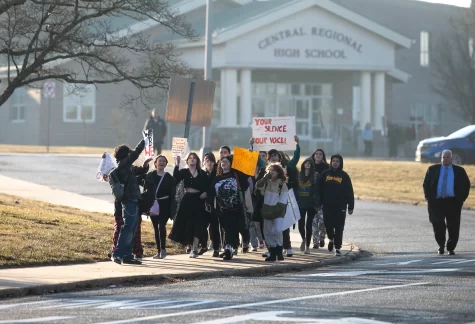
x=35, y=233
x=394, y=181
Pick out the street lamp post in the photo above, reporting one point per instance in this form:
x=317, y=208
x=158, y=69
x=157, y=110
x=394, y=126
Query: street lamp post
x=208, y=75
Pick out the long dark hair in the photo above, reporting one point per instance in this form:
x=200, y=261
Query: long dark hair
x=304, y=178
x=198, y=161
x=220, y=171
x=324, y=159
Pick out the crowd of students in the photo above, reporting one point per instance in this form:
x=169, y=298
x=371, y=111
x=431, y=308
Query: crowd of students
x=212, y=202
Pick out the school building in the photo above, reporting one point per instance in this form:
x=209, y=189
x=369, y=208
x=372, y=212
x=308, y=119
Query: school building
x=335, y=65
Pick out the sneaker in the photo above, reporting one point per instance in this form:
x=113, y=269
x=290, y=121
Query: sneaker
x=163, y=254
x=156, y=256
x=131, y=261
x=194, y=254
x=337, y=253
x=228, y=254
x=330, y=246
x=139, y=258
x=254, y=249
x=302, y=246
x=116, y=259
x=262, y=244
x=216, y=254
x=290, y=252
x=203, y=251
x=307, y=250
x=266, y=254
x=322, y=243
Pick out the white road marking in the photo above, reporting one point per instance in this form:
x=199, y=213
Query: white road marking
x=399, y=263
x=190, y=304
x=255, y=304
x=373, y=272
x=449, y=261
x=150, y=303
x=464, y=261
x=274, y=317
x=76, y=303
x=30, y=303
x=38, y=319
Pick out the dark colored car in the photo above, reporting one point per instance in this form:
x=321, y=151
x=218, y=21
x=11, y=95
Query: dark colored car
x=461, y=143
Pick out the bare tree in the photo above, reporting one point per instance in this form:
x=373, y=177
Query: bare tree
x=454, y=66
x=37, y=38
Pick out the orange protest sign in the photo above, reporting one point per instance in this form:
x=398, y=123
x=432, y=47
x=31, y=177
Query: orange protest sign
x=245, y=161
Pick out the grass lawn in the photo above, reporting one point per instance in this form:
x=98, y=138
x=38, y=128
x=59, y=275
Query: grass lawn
x=394, y=181
x=35, y=233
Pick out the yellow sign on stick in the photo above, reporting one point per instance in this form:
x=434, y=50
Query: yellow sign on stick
x=245, y=161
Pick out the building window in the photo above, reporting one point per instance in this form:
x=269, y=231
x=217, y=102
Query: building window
x=425, y=48
x=17, y=107
x=426, y=113
x=79, y=106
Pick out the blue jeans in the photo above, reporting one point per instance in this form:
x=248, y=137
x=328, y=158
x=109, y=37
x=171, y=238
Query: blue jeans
x=127, y=232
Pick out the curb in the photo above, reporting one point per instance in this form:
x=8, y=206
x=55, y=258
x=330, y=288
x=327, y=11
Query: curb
x=164, y=278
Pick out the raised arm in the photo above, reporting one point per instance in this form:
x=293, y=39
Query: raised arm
x=295, y=159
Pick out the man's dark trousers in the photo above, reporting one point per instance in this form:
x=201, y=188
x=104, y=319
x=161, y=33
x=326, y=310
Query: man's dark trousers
x=444, y=214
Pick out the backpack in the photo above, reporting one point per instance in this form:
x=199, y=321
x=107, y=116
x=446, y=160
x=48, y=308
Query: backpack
x=117, y=187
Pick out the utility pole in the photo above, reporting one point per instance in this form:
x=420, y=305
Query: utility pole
x=208, y=75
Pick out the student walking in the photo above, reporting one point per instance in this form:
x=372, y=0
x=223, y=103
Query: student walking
x=336, y=193
x=229, y=187
x=188, y=224
x=308, y=200
x=274, y=189
x=318, y=226
x=157, y=198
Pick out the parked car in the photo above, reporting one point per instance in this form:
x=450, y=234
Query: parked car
x=461, y=143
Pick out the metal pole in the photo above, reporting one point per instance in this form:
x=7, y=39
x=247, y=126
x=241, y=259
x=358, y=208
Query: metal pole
x=49, y=124
x=189, y=110
x=208, y=75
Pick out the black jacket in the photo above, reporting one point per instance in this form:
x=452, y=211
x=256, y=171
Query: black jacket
x=461, y=183
x=158, y=127
x=128, y=173
x=167, y=188
x=336, y=188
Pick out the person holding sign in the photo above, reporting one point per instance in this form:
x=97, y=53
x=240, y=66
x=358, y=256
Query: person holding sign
x=290, y=167
x=188, y=225
x=276, y=195
x=228, y=188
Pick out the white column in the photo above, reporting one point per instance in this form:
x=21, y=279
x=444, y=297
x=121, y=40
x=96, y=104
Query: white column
x=229, y=98
x=222, y=109
x=379, y=100
x=246, y=98
x=365, y=113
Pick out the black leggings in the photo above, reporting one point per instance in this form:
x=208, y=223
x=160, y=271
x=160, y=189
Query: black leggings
x=305, y=229
x=160, y=228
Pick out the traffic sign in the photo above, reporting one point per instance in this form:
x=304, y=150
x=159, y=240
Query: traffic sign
x=49, y=89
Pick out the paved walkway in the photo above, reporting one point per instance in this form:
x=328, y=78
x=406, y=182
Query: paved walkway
x=35, y=280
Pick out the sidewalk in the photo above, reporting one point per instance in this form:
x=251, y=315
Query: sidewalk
x=39, y=280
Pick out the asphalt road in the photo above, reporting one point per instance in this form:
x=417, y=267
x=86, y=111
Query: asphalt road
x=399, y=279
